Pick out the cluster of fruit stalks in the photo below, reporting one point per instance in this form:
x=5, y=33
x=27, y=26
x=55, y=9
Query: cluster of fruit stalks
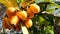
x=15, y=17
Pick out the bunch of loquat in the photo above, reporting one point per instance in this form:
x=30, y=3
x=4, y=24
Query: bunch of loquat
x=15, y=17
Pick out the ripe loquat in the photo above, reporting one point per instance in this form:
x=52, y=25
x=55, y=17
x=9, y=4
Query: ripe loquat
x=35, y=8
x=30, y=13
x=14, y=20
x=5, y=23
x=22, y=15
x=28, y=23
x=10, y=11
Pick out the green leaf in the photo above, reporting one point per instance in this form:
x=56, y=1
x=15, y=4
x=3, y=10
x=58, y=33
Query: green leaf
x=56, y=0
x=49, y=18
x=34, y=29
x=41, y=20
x=51, y=7
x=49, y=29
x=39, y=1
x=50, y=11
x=18, y=1
x=48, y=0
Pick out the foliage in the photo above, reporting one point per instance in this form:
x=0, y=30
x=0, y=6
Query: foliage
x=43, y=22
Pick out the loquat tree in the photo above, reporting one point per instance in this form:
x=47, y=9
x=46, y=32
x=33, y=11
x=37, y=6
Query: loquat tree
x=30, y=16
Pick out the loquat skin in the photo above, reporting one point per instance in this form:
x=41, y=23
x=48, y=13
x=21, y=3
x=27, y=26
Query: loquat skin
x=14, y=20
x=34, y=8
x=22, y=15
x=30, y=13
x=10, y=11
x=28, y=23
x=4, y=22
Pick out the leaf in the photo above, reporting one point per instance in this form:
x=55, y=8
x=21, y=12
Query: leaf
x=24, y=30
x=41, y=20
x=6, y=3
x=39, y=1
x=50, y=11
x=34, y=29
x=49, y=29
x=13, y=2
x=56, y=0
x=51, y=7
x=57, y=12
x=18, y=1
x=9, y=3
x=49, y=18
x=2, y=1
x=48, y=0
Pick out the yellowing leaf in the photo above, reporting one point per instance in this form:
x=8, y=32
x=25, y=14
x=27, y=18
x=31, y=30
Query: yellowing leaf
x=14, y=3
x=9, y=3
x=6, y=3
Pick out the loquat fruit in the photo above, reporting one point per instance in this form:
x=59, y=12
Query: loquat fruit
x=22, y=15
x=10, y=11
x=5, y=23
x=28, y=23
x=13, y=20
x=30, y=13
x=35, y=8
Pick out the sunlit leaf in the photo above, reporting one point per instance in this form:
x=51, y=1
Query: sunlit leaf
x=51, y=11
x=57, y=12
x=9, y=3
x=49, y=29
x=24, y=30
x=41, y=20
x=13, y=2
x=6, y=3
x=52, y=6
x=48, y=0
x=18, y=1
x=39, y=1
